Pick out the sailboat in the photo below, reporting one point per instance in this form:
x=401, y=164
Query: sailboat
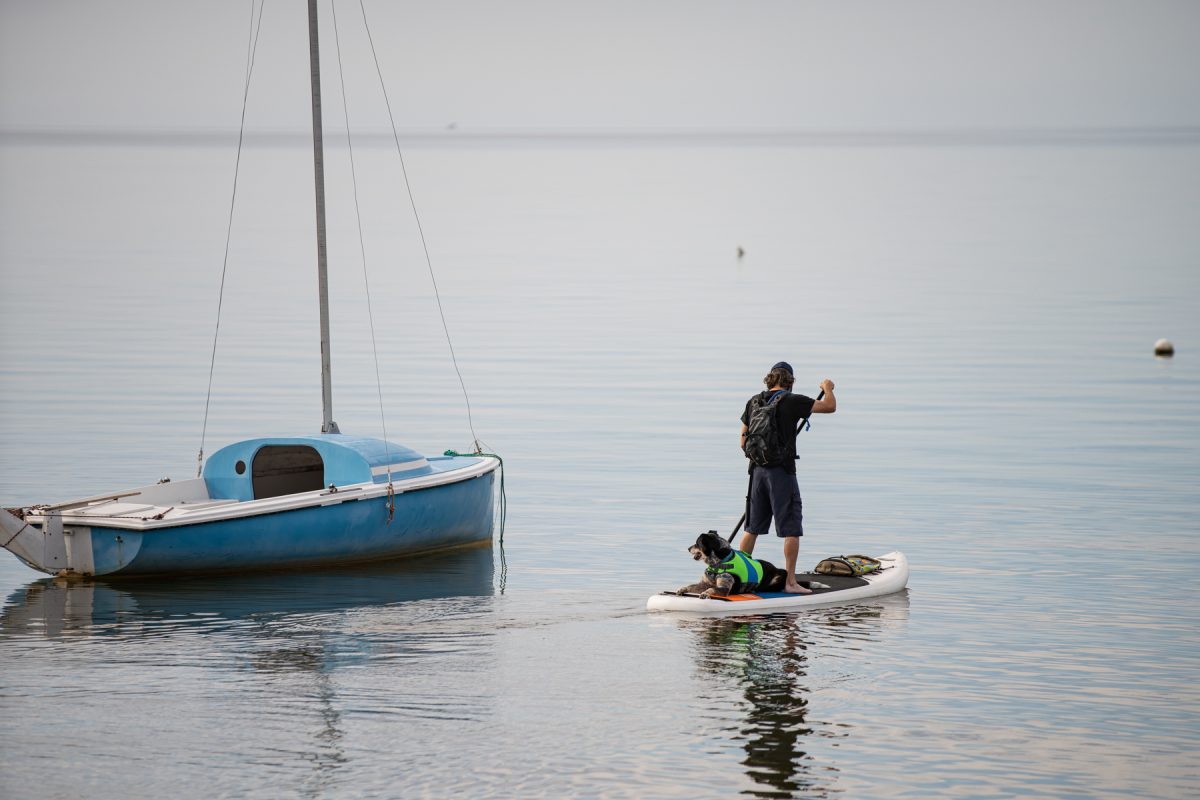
x=271, y=502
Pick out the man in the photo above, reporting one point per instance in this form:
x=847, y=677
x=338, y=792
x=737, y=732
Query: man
x=774, y=491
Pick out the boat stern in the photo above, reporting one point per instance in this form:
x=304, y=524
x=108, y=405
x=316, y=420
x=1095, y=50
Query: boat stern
x=43, y=542
x=27, y=542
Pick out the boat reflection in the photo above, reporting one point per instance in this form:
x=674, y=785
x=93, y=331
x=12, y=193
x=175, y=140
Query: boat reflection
x=281, y=644
x=55, y=608
x=767, y=658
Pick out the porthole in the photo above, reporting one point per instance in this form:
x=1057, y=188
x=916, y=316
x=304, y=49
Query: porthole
x=240, y=468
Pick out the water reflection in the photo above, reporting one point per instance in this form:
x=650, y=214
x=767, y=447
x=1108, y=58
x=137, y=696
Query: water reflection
x=304, y=672
x=304, y=659
x=768, y=658
x=56, y=608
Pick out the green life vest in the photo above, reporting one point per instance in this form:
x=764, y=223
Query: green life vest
x=741, y=566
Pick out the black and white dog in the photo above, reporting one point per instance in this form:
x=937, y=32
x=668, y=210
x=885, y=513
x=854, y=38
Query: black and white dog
x=731, y=571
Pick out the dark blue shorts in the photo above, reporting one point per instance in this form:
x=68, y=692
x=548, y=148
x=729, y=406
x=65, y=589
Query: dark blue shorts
x=774, y=493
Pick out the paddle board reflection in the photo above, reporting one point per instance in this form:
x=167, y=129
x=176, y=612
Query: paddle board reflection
x=766, y=659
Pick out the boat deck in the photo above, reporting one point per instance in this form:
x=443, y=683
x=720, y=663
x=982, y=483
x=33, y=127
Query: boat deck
x=187, y=502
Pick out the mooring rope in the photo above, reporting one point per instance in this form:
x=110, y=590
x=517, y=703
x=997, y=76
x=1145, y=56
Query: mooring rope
x=502, y=501
x=362, y=249
x=420, y=230
x=251, y=50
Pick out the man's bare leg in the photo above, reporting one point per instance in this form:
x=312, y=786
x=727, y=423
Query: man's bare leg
x=748, y=540
x=791, y=549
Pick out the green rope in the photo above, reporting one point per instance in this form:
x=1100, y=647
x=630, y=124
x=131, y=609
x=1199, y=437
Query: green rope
x=503, y=503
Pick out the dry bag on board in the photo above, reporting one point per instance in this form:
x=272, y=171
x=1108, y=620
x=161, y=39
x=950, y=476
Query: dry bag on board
x=848, y=565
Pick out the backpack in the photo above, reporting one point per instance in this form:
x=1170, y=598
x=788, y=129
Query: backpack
x=764, y=442
x=853, y=566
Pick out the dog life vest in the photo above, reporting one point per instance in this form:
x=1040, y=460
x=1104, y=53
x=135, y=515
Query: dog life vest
x=741, y=566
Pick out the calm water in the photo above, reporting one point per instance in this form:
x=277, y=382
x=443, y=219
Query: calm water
x=986, y=312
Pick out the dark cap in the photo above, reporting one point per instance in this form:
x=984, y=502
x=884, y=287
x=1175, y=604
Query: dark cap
x=785, y=365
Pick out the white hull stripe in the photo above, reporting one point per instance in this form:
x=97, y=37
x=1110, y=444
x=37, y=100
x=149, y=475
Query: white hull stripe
x=403, y=466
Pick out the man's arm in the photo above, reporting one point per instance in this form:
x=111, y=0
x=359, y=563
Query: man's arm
x=828, y=403
x=742, y=445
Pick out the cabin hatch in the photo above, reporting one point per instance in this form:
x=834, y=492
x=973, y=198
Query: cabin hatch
x=287, y=469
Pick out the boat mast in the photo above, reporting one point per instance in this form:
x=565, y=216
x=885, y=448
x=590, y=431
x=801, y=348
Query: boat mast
x=314, y=60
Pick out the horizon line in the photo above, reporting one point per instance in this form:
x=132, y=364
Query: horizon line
x=453, y=134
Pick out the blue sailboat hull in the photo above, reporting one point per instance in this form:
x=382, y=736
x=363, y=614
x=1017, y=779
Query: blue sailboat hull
x=435, y=518
x=266, y=504
x=439, y=517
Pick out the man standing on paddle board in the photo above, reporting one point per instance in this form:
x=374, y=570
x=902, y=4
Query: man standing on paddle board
x=774, y=490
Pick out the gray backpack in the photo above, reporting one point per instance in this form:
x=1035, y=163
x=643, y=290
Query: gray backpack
x=764, y=441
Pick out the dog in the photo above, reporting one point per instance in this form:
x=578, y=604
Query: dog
x=726, y=567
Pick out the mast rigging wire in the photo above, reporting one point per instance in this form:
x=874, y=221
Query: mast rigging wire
x=251, y=50
x=362, y=249
x=420, y=230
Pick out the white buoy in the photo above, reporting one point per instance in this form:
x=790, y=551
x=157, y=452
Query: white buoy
x=1164, y=348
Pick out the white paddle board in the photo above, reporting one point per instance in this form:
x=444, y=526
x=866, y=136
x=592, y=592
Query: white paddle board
x=827, y=590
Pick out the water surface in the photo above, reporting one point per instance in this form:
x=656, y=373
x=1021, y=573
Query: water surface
x=987, y=313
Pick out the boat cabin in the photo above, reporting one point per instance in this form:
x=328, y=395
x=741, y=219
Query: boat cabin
x=256, y=469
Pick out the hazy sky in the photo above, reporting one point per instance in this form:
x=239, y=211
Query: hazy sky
x=644, y=64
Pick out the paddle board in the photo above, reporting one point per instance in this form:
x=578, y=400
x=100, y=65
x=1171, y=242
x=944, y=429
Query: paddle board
x=827, y=590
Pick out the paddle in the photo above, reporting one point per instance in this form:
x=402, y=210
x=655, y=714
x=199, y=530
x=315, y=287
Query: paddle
x=742, y=520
